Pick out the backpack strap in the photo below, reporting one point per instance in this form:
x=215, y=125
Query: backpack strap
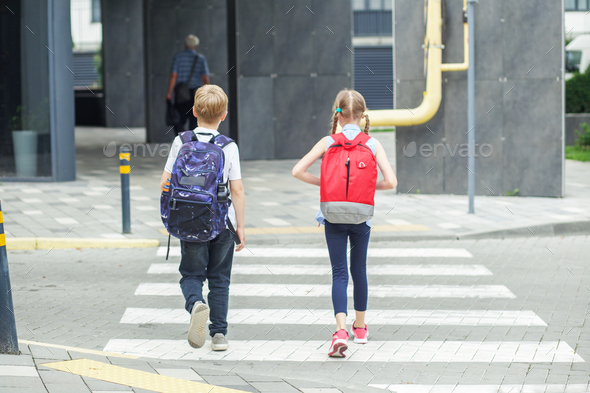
x=187, y=136
x=222, y=140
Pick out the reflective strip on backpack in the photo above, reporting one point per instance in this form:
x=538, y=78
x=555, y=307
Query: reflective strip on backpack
x=346, y=212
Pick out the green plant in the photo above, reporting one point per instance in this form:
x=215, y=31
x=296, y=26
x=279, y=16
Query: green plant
x=36, y=118
x=577, y=93
x=98, y=66
x=577, y=153
x=583, y=136
x=418, y=191
x=513, y=193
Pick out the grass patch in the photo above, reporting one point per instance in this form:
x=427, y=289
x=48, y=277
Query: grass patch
x=578, y=153
x=381, y=129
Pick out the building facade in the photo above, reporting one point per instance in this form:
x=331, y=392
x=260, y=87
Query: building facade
x=36, y=100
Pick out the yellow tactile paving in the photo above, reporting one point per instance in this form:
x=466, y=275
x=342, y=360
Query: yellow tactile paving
x=49, y=243
x=135, y=378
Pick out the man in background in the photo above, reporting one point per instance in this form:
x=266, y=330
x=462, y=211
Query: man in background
x=189, y=68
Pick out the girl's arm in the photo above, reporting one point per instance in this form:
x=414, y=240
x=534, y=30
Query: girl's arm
x=300, y=169
x=389, y=180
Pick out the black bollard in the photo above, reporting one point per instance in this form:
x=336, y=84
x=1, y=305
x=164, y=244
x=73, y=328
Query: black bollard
x=8, y=339
x=124, y=169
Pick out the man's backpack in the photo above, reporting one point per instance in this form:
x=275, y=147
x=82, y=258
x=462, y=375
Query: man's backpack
x=195, y=207
x=348, y=180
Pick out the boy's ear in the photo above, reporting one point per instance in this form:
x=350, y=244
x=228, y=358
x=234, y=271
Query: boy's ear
x=223, y=117
x=194, y=111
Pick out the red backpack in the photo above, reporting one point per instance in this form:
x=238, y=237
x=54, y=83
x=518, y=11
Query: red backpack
x=348, y=180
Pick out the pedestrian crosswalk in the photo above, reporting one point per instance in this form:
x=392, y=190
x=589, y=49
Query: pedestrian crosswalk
x=325, y=290
x=320, y=317
x=323, y=252
x=373, y=351
x=315, y=270
x=263, y=275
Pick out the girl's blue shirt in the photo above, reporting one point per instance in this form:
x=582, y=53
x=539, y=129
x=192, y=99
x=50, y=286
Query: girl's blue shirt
x=350, y=131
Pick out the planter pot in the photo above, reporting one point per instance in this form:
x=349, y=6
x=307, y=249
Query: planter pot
x=25, y=152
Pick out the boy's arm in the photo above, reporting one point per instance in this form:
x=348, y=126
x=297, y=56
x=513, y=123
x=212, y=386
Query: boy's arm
x=239, y=200
x=165, y=176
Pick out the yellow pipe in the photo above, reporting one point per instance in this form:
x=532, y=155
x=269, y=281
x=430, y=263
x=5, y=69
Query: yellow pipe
x=465, y=65
x=433, y=94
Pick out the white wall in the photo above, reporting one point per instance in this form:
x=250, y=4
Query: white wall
x=87, y=36
x=576, y=23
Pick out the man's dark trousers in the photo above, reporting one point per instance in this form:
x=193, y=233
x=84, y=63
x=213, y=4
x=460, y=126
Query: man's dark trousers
x=211, y=261
x=186, y=112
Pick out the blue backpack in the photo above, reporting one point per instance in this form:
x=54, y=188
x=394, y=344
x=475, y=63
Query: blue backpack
x=195, y=206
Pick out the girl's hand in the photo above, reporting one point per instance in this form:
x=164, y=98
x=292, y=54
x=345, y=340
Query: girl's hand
x=300, y=169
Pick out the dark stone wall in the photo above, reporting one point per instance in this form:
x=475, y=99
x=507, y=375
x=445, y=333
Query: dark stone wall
x=167, y=23
x=123, y=63
x=519, y=100
x=292, y=59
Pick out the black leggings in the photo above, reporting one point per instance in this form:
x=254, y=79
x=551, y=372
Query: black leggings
x=337, y=238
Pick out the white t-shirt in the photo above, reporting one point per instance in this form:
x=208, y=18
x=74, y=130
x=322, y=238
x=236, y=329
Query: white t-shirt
x=231, y=166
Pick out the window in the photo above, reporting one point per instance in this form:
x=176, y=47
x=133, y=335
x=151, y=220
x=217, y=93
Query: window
x=96, y=17
x=372, y=17
x=573, y=59
x=576, y=5
x=358, y=5
x=372, y=5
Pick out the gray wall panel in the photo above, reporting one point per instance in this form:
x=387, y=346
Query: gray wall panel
x=256, y=33
x=293, y=40
x=293, y=112
x=303, y=63
x=122, y=29
x=532, y=131
x=408, y=30
x=531, y=29
x=167, y=24
x=255, y=118
x=524, y=128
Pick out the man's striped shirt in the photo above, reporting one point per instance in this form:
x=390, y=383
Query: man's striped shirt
x=182, y=66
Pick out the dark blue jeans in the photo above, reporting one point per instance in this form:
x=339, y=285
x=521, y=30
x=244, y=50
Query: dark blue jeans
x=337, y=238
x=209, y=261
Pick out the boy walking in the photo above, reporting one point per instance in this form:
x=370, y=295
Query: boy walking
x=211, y=259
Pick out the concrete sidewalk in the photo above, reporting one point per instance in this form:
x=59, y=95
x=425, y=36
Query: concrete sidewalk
x=55, y=369
x=279, y=208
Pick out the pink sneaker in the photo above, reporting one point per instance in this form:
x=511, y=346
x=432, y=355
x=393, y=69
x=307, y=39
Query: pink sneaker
x=339, y=344
x=360, y=335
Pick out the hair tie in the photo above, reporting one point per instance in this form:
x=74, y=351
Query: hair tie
x=338, y=110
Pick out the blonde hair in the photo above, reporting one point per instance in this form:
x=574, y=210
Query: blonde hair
x=352, y=106
x=210, y=103
x=191, y=41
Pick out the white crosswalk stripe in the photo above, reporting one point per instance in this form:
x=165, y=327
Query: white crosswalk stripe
x=268, y=262
x=505, y=388
x=326, y=317
x=322, y=290
x=323, y=252
x=319, y=270
x=373, y=351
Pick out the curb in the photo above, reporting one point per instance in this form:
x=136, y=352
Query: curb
x=553, y=229
x=47, y=243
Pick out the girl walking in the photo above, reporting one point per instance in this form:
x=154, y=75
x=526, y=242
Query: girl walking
x=347, y=187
